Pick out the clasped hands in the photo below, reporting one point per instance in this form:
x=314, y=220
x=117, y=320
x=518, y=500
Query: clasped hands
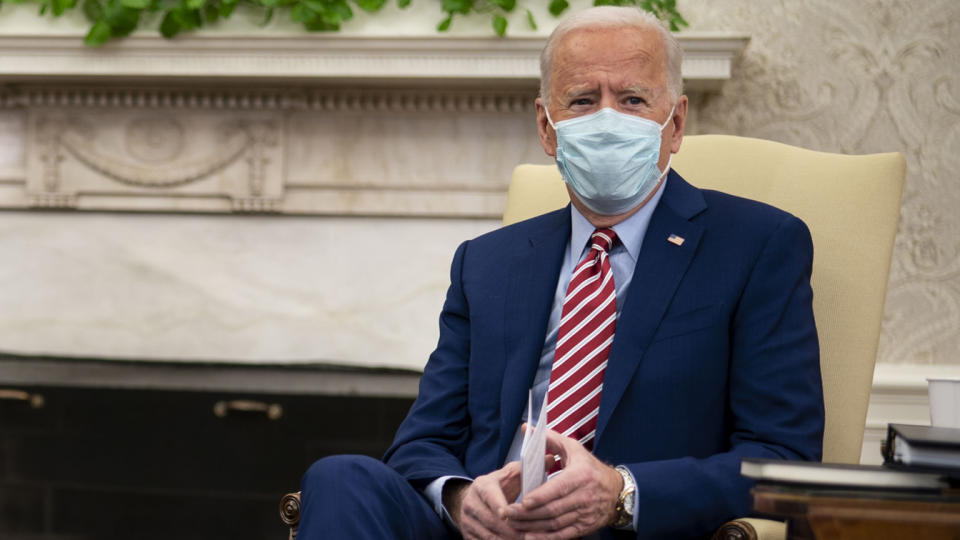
x=577, y=502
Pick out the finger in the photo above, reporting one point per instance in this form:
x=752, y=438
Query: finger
x=479, y=516
x=563, y=506
x=472, y=528
x=549, y=523
x=511, y=482
x=556, y=487
x=564, y=534
x=556, y=443
x=490, y=494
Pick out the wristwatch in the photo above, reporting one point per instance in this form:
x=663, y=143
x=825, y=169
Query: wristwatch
x=625, y=501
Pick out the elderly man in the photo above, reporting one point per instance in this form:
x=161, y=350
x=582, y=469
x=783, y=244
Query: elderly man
x=669, y=331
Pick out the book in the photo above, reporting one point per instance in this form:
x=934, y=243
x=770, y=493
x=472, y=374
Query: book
x=923, y=446
x=836, y=475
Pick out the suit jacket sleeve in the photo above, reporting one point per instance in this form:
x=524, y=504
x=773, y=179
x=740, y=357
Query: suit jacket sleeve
x=431, y=441
x=775, y=397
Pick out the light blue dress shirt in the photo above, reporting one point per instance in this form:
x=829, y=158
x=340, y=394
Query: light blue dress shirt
x=623, y=259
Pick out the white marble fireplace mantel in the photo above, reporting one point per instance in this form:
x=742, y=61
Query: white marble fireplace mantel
x=707, y=62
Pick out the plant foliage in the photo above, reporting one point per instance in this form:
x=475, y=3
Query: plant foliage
x=111, y=19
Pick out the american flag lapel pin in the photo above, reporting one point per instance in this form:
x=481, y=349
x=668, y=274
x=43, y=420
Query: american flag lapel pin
x=676, y=240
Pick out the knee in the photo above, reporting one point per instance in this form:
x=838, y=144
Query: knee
x=333, y=471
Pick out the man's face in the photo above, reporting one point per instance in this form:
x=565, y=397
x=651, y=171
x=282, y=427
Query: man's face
x=620, y=68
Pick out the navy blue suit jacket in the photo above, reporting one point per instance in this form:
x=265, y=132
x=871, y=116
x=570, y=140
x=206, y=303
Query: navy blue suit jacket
x=715, y=357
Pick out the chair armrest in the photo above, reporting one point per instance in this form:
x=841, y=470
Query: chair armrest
x=290, y=512
x=751, y=529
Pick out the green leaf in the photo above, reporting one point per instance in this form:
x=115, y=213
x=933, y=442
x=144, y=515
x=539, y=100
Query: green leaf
x=445, y=24
x=506, y=5
x=135, y=4
x=499, y=24
x=122, y=20
x=317, y=6
x=558, y=6
x=457, y=6
x=98, y=35
x=302, y=14
x=319, y=25
x=92, y=10
x=211, y=13
x=169, y=27
x=269, y=3
x=370, y=5
x=59, y=6
x=531, y=21
x=332, y=12
x=403, y=4
x=188, y=19
x=226, y=9
x=194, y=4
x=342, y=10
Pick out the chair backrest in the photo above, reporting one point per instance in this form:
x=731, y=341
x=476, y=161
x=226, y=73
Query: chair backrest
x=851, y=205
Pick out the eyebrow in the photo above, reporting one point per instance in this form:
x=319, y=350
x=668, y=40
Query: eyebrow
x=578, y=91
x=637, y=89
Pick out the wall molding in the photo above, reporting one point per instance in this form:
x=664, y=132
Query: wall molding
x=899, y=395
x=132, y=96
x=707, y=63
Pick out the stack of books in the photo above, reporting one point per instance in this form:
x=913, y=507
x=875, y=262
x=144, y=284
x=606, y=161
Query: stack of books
x=923, y=449
x=916, y=458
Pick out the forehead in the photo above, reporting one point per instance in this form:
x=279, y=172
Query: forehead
x=619, y=56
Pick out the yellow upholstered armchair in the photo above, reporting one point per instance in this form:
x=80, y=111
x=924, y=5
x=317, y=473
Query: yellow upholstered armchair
x=851, y=205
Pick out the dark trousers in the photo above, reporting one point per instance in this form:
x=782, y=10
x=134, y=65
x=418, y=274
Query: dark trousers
x=358, y=497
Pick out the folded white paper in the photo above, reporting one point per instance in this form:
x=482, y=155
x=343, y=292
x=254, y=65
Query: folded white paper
x=534, y=448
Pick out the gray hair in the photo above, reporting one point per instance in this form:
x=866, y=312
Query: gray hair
x=612, y=17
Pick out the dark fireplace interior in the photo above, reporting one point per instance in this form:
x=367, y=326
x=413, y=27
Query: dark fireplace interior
x=101, y=463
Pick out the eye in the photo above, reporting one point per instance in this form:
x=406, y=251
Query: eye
x=636, y=101
x=580, y=102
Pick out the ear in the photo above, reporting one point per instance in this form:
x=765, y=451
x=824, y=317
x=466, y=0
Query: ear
x=679, y=123
x=548, y=137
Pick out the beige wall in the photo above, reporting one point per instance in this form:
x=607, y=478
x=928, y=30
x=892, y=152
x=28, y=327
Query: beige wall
x=863, y=76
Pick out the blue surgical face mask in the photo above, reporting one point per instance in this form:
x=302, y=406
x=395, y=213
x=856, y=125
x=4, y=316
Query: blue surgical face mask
x=609, y=159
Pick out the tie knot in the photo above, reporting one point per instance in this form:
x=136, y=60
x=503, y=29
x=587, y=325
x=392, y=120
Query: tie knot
x=603, y=240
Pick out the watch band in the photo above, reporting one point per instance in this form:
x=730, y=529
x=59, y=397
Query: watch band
x=625, y=501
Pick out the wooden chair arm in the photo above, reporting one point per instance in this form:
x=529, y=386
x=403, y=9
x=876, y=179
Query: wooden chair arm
x=751, y=529
x=290, y=512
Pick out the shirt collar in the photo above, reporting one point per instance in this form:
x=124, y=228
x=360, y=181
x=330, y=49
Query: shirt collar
x=630, y=231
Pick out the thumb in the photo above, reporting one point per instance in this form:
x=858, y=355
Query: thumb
x=556, y=444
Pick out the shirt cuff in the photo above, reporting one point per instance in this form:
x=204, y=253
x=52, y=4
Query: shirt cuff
x=434, y=494
x=636, y=501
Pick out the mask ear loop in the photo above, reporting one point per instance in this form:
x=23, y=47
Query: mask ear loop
x=549, y=121
x=663, y=126
x=666, y=169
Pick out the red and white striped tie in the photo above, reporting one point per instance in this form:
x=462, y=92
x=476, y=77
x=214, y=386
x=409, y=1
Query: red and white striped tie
x=587, y=323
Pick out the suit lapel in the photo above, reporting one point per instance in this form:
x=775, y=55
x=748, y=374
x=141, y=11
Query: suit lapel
x=660, y=267
x=535, y=267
